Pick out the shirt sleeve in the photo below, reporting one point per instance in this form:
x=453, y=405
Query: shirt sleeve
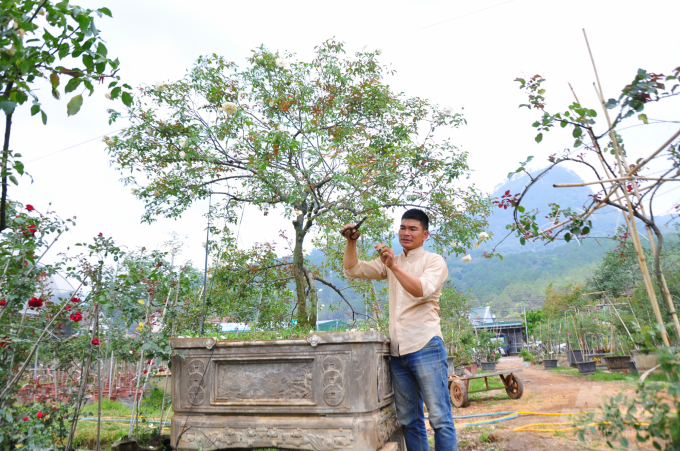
x=374, y=269
x=434, y=275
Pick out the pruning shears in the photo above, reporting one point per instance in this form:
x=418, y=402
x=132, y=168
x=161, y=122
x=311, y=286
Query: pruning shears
x=352, y=230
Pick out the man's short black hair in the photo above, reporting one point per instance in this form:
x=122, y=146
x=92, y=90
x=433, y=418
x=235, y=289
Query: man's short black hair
x=418, y=215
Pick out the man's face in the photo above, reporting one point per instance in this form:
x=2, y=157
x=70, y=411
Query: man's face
x=411, y=234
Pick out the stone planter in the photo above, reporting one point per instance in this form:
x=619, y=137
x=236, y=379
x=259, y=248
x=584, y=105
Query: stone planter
x=330, y=391
x=587, y=368
x=631, y=366
x=526, y=364
x=645, y=362
x=549, y=363
x=617, y=362
x=488, y=366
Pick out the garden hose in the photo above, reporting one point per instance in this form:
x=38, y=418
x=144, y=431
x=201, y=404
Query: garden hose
x=506, y=416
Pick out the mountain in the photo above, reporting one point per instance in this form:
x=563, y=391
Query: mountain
x=521, y=277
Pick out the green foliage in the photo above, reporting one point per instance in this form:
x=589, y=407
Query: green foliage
x=558, y=301
x=651, y=413
x=39, y=38
x=459, y=336
x=524, y=354
x=325, y=140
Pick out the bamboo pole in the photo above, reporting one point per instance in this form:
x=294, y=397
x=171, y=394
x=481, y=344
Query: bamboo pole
x=634, y=235
x=620, y=179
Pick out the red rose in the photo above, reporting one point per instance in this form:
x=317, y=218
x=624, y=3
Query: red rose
x=149, y=362
x=75, y=317
x=39, y=414
x=100, y=234
x=2, y=303
x=68, y=307
x=29, y=207
x=95, y=342
x=144, y=371
x=160, y=370
x=59, y=325
x=25, y=418
x=30, y=230
x=75, y=300
x=35, y=303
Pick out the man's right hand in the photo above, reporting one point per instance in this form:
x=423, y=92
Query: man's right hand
x=346, y=231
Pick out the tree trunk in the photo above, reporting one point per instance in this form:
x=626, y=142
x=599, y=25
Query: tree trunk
x=5, y=159
x=300, y=277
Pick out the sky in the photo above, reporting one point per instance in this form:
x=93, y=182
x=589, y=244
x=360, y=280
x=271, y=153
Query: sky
x=458, y=54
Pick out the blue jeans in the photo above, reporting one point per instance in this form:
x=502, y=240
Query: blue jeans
x=423, y=376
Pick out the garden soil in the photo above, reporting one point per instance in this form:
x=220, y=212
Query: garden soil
x=545, y=392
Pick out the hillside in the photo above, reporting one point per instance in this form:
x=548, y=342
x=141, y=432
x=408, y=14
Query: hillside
x=521, y=277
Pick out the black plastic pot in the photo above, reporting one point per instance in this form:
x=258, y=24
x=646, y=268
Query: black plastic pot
x=574, y=356
x=587, y=368
x=488, y=366
x=549, y=363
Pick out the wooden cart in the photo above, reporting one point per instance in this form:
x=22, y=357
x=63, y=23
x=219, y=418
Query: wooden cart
x=459, y=385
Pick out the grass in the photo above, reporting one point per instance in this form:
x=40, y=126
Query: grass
x=606, y=376
x=86, y=434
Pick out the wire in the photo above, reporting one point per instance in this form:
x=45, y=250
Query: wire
x=465, y=15
x=75, y=145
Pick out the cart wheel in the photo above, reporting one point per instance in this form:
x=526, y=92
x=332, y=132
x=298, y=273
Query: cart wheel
x=459, y=394
x=514, y=386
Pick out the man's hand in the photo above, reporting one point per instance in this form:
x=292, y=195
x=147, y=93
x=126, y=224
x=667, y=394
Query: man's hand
x=386, y=254
x=346, y=231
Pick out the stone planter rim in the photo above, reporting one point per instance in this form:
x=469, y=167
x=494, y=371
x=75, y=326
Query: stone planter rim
x=312, y=339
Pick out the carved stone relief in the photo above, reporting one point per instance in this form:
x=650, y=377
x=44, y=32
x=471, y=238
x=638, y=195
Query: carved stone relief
x=195, y=385
x=333, y=394
x=264, y=380
x=321, y=439
x=384, y=373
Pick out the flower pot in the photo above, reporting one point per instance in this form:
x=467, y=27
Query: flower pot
x=328, y=391
x=631, y=366
x=645, y=362
x=472, y=368
x=574, y=356
x=450, y=362
x=587, y=368
x=599, y=359
x=617, y=362
x=549, y=363
x=527, y=364
x=488, y=366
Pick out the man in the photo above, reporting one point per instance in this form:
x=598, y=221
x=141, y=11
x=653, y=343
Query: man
x=418, y=357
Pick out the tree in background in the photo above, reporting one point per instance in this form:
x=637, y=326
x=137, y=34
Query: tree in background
x=326, y=142
x=55, y=42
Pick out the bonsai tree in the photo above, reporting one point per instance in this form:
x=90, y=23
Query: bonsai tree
x=323, y=143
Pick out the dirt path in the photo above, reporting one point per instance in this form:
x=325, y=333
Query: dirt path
x=545, y=392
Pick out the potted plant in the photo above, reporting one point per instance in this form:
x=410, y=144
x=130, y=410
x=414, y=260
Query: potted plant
x=547, y=337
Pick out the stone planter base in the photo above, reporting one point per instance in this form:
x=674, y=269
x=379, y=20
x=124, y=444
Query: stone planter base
x=549, y=363
x=328, y=392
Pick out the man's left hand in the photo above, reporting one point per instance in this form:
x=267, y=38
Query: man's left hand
x=386, y=254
